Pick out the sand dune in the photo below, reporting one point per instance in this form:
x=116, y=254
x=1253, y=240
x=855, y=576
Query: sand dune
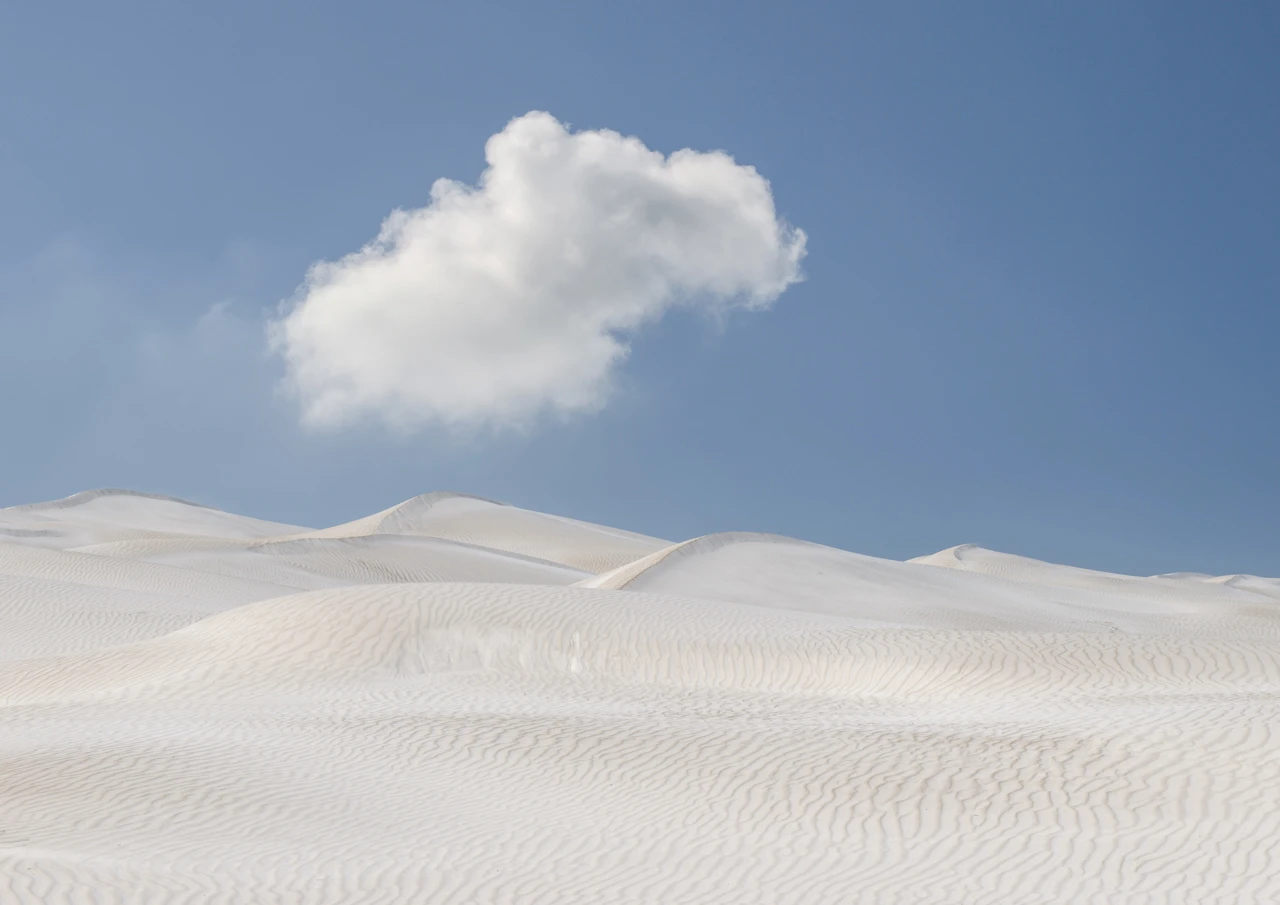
x=415, y=707
x=96, y=516
x=1203, y=589
x=485, y=523
x=976, y=589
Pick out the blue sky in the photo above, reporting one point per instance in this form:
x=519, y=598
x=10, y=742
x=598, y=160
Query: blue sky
x=1040, y=307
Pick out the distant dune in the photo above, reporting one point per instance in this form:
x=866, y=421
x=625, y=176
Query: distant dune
x=459, y=701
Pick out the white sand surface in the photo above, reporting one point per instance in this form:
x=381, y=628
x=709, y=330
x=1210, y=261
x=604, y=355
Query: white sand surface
x=417, y=707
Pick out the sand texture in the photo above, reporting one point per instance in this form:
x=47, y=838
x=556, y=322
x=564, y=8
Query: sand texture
x=459, y=701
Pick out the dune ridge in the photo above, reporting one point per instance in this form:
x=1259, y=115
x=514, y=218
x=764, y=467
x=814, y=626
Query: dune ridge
x=88, y=496
x=458, y=701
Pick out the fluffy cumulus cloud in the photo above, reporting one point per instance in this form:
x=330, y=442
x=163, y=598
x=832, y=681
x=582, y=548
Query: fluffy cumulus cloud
x=517, y=296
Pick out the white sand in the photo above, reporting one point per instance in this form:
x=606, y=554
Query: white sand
x=419, y=707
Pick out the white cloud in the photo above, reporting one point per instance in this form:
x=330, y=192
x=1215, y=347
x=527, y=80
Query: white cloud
x=497, y=302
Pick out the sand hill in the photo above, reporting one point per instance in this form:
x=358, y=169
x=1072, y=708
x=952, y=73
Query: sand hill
x=459, y=701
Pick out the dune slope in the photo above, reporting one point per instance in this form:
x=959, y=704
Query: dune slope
x=416, y=707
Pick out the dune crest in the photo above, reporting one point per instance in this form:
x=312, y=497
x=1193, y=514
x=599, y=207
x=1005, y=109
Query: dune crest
x=456, y=700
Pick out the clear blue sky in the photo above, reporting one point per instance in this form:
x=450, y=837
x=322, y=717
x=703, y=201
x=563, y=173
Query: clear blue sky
x=1042, y=311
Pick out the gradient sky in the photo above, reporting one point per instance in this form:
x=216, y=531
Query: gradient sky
x=1042, y=306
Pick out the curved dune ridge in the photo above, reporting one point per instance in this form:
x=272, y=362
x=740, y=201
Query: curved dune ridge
x=458, y=701
x=475, y=520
